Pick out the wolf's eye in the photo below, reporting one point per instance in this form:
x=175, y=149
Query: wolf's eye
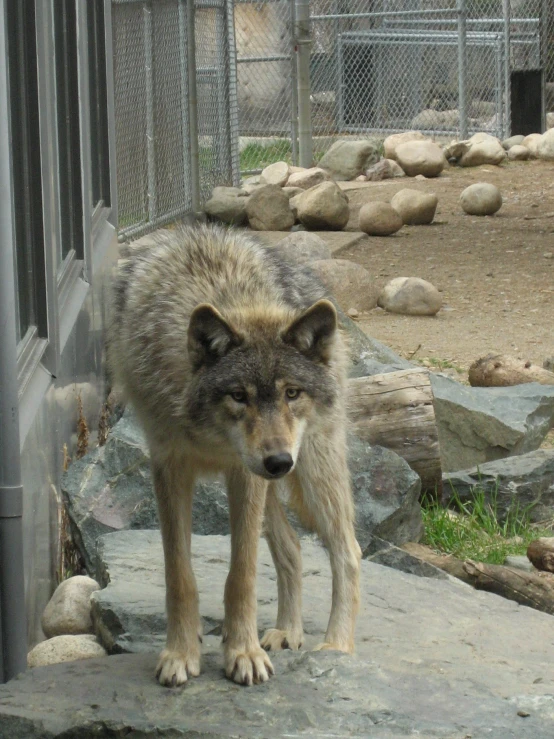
x=239, y=396
x=293, y=393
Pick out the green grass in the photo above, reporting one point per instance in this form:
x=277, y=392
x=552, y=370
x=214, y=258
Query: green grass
x=473, y=529
x=257, y=156
x=440, y=364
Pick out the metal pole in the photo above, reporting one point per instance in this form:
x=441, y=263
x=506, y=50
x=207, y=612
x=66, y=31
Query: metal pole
x=303, y=43
x=232, y=99
x=462, y=67
x=544, y=59
x=193, y=107
x=12, y=592
x=149, y=85
x=293, y=88
x=507, y=127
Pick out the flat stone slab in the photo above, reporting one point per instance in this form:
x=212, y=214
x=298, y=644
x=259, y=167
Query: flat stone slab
x=434, y=659
x=337, y=241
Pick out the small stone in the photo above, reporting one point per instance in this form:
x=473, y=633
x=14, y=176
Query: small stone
x=523, y=714
x=268, y=210
x=379, y=219
x=361, y=178
x=420, y=158
x=308, y=178
x=392, y=142
x=275, y=174
x=385, y=169
x=410, y=296
x=66, y=648
x=68, y=610
x=548, y=255
x=415, y=207
x=518, y=153
x=481, y=199
x=531, y=142
x=348, y=282
x=353, y=313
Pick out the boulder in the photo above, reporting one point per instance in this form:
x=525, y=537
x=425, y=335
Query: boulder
x=392, y=142
x=436, y=119
x=322, y=208
x=303, y=247
x=420, y=158
x=308, y=178
x=521, y=483
x=518, y=153
x=275, y=174
x=351, y=285
x=481, y=199
x=415, y=207
x=379, y=219
x=478, y=425
x=385, y=169
x=456, y=150
x=484, y=149
x=345, y=160
x=531, y=142
x=550, y=120
x=268, y=210
x=410, y=296
x=68, y=610
x=513, y=141
x=545, y=148
x=227, y=204
x=291, y=192
x=66, y=648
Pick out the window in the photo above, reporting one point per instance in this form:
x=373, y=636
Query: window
x=26, y=167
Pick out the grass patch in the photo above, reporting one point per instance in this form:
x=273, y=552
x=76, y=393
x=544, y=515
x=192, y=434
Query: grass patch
x=258, y=156
x=473, y=529
x=439, y=364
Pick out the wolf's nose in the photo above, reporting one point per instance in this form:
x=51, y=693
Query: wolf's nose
x=278, y=464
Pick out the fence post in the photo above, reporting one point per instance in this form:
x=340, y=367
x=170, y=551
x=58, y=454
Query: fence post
x=193, y=108
x=462, y=67
x=302, y=36
x=506, y=129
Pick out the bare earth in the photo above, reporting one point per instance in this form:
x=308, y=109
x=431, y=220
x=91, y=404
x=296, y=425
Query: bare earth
x=496, y=273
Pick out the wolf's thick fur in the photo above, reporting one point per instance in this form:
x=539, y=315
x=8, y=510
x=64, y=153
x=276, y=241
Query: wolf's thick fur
x=233, y=362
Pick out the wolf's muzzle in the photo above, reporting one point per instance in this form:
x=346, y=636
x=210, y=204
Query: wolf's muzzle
x=278, y=464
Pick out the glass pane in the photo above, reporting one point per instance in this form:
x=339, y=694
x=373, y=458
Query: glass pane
x=26, y=164
x=100, y=163
x=69, y=143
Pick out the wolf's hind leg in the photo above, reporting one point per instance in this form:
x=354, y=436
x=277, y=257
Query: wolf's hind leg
x=174, y=486
x=245, y=661
x=324, y=478
x=285, y=550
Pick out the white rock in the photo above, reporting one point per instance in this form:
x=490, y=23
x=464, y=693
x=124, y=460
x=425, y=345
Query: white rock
x=345, y=160
x=275, y=174
x=303, y=247
x=308, y=178
x=550, y=120
x=518, y=153
x=379, y=219
x=67, y=648
x=415, y=207
x=545, y=148
x=512, y=141
x=420, y=158
x=483, y=149
x=436, y=119
x=323, y=207
x=392, y=142
x=68, y=610
x=532, y=143
x=481, y=199
x=351, y=284
x=410, y=296
x=268, y=210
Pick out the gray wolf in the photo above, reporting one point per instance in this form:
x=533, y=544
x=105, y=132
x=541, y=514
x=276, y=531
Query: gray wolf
x=234, y=364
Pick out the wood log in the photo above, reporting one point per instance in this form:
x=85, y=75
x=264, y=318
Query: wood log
x=540, y=553
x=395, y=410
x=446, y=562
x=526, y=588
x=498, y=370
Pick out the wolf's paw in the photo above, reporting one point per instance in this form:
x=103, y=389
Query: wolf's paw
x=248, y=666
x=332, y=647
x=175, y=667
x=275, y=639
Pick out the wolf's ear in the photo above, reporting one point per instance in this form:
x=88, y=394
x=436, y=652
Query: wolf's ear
x=312, y=333
x=209, y=336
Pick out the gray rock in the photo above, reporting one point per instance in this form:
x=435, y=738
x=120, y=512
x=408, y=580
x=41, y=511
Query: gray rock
x=525, y=482
x=484, y=149
x=392, y=142
x=306, y=178
x=384, y=553
x=410, y=296
x=414, y=207
x=227, y=204
x=512, y=141
x=303, y=247
x=420, y=158
x=379, y=219
x=345, y=160
x=268, y=210
x=68, y=610
x=519, y=563
x=350, y=284
x=481, y=199
x=518, y=153
x=478, y=425
x=322, y=207
x=65, y=648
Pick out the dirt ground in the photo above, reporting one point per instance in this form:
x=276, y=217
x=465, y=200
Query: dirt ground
x=496, y=274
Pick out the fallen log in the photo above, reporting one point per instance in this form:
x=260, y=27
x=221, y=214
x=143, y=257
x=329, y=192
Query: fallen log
x=540, y=553
x=445, y=562
x=498, y=370
x=526, y=588
x=395, y=410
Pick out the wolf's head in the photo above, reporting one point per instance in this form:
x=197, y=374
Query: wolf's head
x=260, y=380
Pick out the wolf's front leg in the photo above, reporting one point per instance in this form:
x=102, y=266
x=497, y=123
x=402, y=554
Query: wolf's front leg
x=322, y=472
x=245, y=661
x=180, y=659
